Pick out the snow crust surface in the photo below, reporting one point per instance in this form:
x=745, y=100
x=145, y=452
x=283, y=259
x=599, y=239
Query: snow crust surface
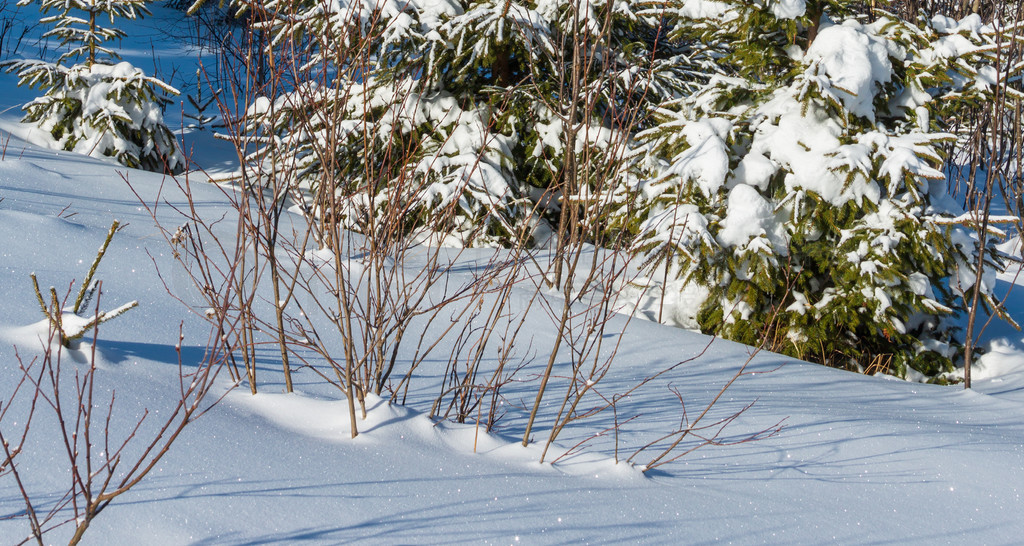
x=860, y=460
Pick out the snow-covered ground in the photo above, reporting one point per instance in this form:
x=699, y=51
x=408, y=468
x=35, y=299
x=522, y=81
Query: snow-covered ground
x=859, y=459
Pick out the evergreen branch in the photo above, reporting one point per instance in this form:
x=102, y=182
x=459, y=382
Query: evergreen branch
x=57, y=317
x=42, y=303
x=95, y=264
x=97, y=320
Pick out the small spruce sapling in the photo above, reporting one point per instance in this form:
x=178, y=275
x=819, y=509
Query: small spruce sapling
x=98, y=108
x=200, y=120
x=70, y=331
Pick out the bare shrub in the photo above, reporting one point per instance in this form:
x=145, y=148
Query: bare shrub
x=102, y=460
x=361, y=286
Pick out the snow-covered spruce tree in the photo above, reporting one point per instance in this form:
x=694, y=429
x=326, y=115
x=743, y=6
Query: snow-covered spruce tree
x=798, y=193
x=351, y=135
x=98, y=108
x=461, y=111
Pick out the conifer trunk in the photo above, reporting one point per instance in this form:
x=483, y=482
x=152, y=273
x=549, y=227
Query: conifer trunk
x=92, y=42
x=814, y=14
x=502, y=68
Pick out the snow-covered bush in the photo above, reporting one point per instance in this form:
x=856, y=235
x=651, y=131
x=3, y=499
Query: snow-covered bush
x=800, y=186
x=99, y=108
x=461, y=111
x=375, y=151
